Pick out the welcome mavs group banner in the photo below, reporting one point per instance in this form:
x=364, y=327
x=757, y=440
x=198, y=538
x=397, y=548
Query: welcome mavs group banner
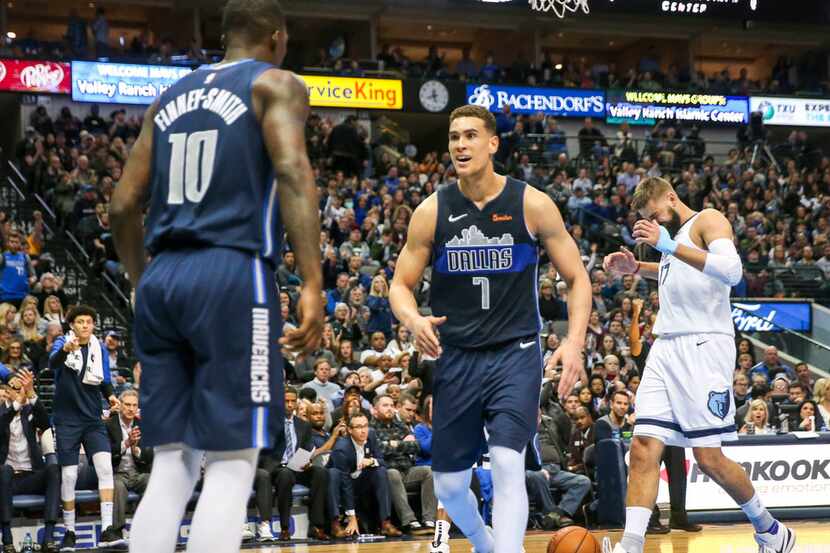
x=122, y=83
x=647, y=107
x=560, y=102
x=772, y=316
x=792, y=111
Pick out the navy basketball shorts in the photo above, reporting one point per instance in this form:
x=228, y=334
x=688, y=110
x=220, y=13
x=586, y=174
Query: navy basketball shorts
x=207, y=324
x=70, y=435
x=495, y=387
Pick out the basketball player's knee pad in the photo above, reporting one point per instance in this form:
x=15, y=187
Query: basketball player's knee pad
x=69, y=477
x=102, y=462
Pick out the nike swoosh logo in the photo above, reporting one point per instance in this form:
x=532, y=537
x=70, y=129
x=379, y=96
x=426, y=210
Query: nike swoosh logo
x=701, y=343
x=457, y=217
x=525, y=345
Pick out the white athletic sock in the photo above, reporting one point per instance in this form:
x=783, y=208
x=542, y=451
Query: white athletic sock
x=442, y=531
x=758, y=515
x=223, y=503
x=510, y=505
x=453, y=489
x=106, y=514
x=155, y=526
x=636, y=522
x=69, y=520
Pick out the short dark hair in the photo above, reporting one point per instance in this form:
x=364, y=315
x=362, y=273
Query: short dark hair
x=615, y=393
x=305, y=393
x=478, y=112
x=291, y=390
x=80, y=310
x=252, y=19
x=406, y=396
x=358, y=415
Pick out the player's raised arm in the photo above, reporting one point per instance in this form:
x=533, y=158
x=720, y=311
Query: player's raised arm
x=410, y=267
x=545, y=221
x=128, y=201
x=282, y=100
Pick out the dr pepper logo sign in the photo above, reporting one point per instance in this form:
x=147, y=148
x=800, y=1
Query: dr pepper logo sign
x=35, y=76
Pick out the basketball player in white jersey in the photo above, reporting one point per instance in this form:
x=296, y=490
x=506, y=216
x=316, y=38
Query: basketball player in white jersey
x=685, y=397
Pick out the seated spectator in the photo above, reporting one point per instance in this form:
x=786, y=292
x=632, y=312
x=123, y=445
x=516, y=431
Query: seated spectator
x=772, y=366
x=359, y=459
x=618, y=421
x=740, y=386
x=809, y=417
x=399, y=449
x=14, y=357
x=23, y=470
x=582, y=436
x=372, y=357
x=325, y=388
x=131, y=462
x=305, y=363
x=757, y=418
x=53, y=309
x=287, y=275
x=402, y=343
x=112, y=343
x=353, y=402
x=274, y=472
x=805, y=378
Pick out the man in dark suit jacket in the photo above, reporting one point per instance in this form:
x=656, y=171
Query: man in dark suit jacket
x=22, y=468
x=273, y=469
x=359, y=461
x=131, y=463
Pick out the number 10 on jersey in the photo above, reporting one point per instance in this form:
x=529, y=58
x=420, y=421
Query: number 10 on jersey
x=191, y=165
x=484, y=282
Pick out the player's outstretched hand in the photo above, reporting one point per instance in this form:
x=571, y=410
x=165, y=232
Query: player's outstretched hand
x=426, y=339
x=306, y=338
x=570, y=357
x=622, y=262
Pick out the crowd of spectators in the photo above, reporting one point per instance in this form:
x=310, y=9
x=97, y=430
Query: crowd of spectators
x=367, y=380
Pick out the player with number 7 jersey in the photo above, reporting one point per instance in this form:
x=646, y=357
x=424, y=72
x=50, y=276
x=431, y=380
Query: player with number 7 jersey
x=482, y=236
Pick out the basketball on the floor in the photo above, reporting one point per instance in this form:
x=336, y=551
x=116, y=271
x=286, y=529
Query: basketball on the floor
x=573, y=539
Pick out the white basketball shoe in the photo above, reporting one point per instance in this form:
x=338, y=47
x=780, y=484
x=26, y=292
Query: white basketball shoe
x=606, y=547
x=780, y=540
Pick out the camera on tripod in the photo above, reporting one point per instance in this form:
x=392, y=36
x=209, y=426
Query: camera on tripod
x=756, y=134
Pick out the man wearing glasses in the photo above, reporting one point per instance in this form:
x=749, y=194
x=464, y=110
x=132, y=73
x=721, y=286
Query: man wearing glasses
x=359, y=459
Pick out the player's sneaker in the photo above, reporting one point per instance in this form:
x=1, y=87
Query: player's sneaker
x=779, y=539
x=439, y=547
x=247, y=533
x=111, y=537
x=489, y=531
x=264, y=532
x=606, y=547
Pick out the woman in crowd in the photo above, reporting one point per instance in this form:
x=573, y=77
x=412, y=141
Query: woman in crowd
x=757, y=419
x=380, y=313
x=809, y=417
x=402, y=342
x=52, y=309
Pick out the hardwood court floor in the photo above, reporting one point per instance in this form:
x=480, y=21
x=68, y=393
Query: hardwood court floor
x=812, y=537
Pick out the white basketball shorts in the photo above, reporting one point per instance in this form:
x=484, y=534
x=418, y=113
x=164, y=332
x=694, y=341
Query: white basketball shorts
x=685, y=395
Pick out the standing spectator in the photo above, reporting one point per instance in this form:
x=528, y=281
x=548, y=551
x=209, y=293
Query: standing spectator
x=76, y=33
x=582, y=436
x=346, y=147
x=359, y=459
x=82, y=376
x=400, y=448
x=380, y=318
x=18, y=274
x=592, y=142
x=130, y=461
x=616, y=422
x=274, y=469
x=23, y=470
x=101, y=30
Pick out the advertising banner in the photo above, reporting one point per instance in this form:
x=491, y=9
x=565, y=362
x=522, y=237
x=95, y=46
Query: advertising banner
x=647, y=107
x=559, y=102
x=354, y=92
x=35, y=76
x=796, y=112
x=122, y=83
x=772, y=316
x=783, y=475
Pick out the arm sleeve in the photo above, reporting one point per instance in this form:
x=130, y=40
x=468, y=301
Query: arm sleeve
x=723, y=262
x=106, y=385
x=57, y=356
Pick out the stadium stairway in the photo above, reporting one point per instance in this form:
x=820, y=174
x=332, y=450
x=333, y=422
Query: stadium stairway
x=71, y=262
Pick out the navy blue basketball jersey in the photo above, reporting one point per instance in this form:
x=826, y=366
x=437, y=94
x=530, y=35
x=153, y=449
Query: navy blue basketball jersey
x=484, y=269
x=213, y=183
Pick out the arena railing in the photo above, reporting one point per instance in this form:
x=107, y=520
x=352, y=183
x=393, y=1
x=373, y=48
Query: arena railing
x=80, y=254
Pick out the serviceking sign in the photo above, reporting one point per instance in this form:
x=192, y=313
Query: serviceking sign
x=34, y=76
x=354, y=92
x=561, y=102
x=792, y=111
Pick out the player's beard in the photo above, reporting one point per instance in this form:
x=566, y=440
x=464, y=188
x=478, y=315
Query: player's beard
x=674, y=224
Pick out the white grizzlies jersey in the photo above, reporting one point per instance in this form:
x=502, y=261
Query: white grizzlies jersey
x=691, y=302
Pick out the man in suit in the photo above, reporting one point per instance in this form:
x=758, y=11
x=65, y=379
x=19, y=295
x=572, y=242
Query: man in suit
x=131, y=462
x=273, y=471
x=22, y=469
x=359, y=459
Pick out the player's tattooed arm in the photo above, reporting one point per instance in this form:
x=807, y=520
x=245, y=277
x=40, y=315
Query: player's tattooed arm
x=126, y=209
x=281, y=102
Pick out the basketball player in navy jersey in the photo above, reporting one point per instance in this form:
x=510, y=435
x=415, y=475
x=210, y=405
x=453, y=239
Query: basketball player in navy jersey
x=482, y=237
x=222, y=157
